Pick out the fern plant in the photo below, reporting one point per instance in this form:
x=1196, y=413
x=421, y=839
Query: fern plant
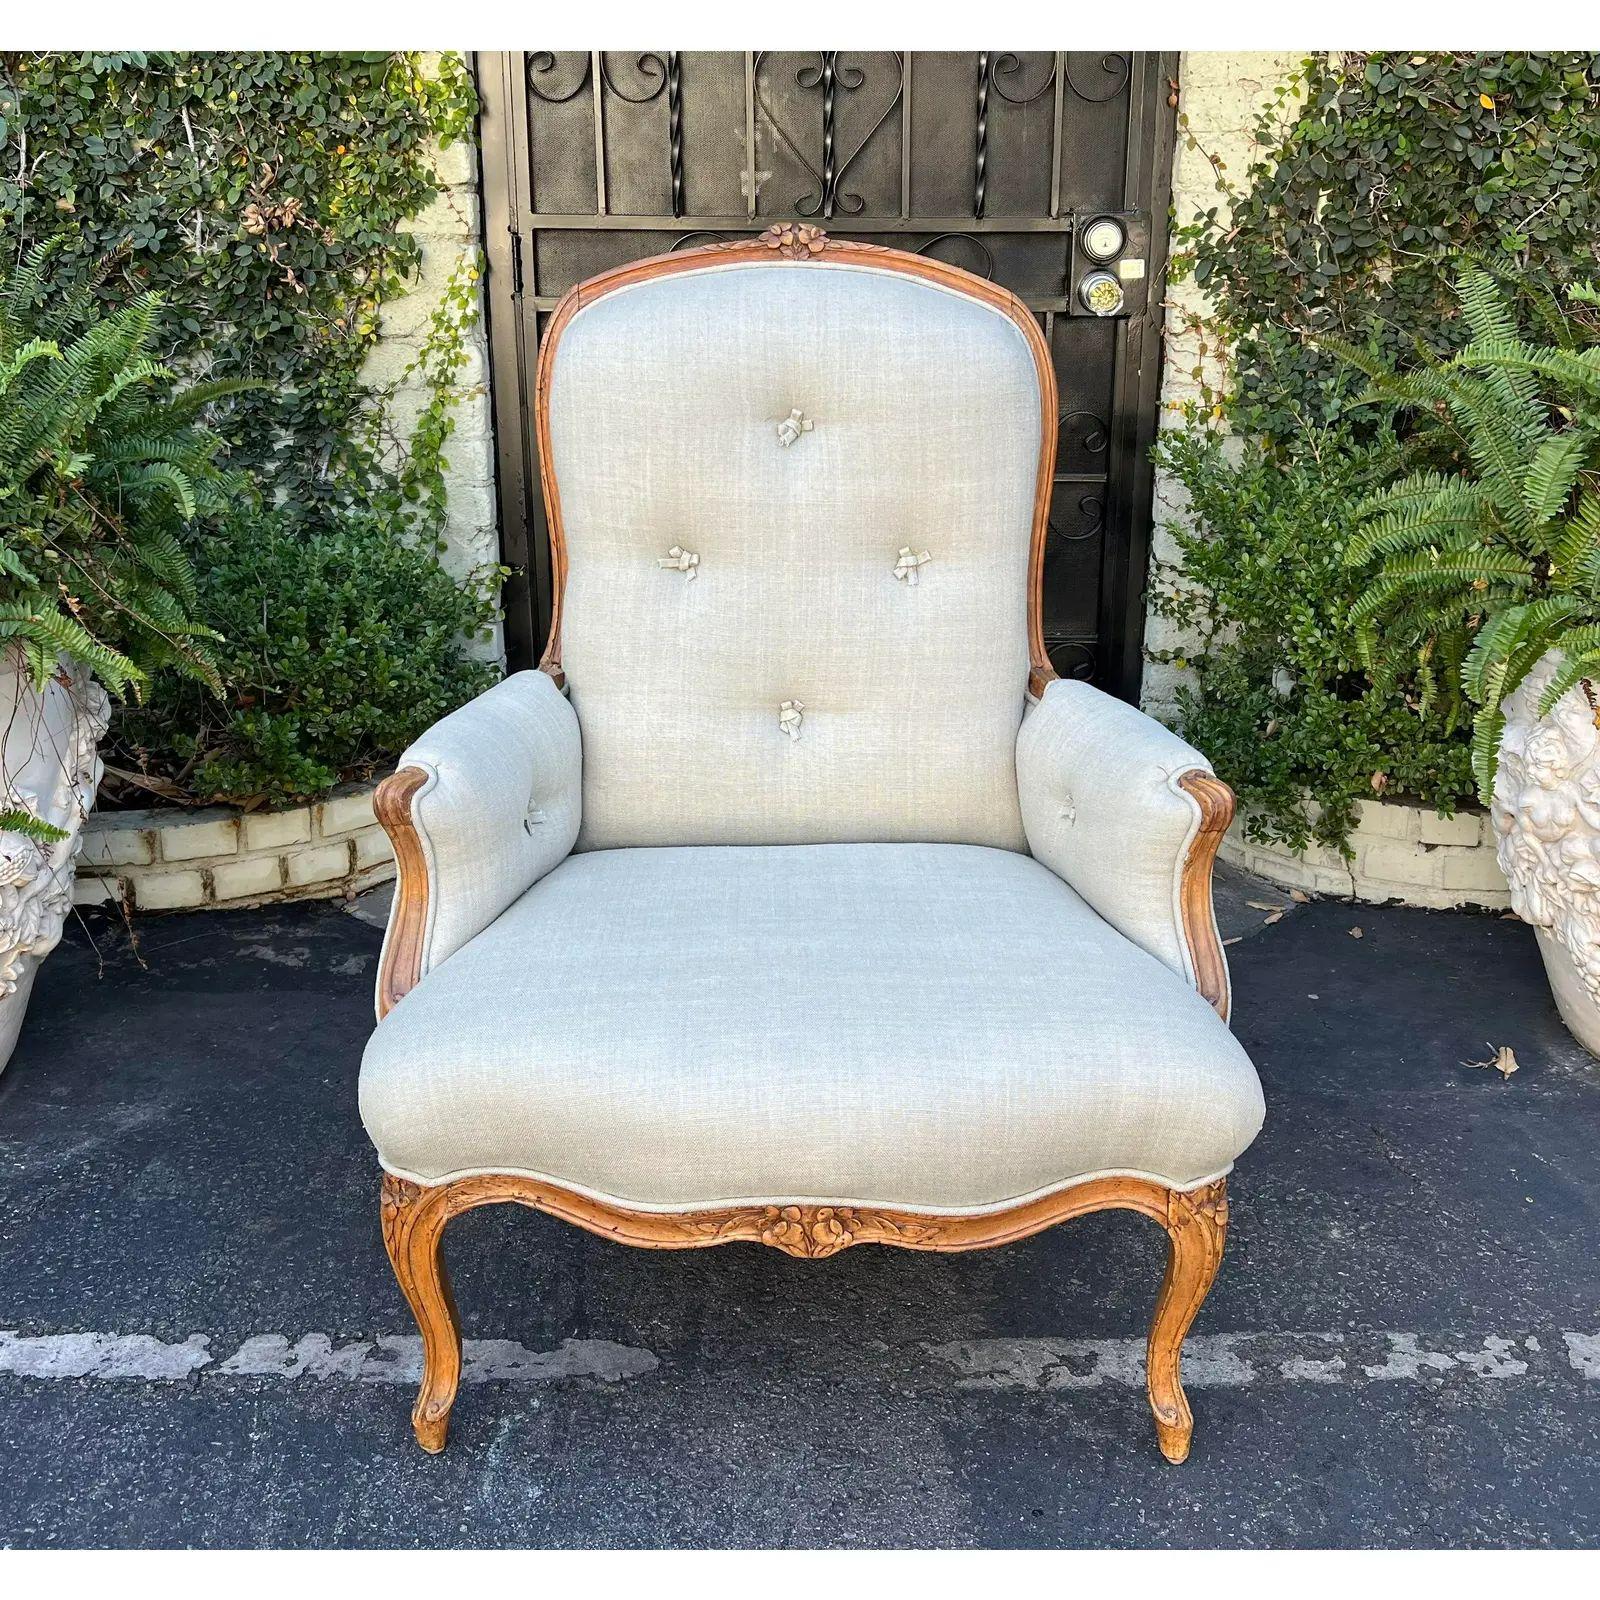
x=1489, y=558
x=104, y=459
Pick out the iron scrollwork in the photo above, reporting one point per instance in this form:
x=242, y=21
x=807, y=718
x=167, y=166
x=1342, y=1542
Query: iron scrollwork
x=660, y=72
x=995, y=70
x=1008, y=65
x=1092, y=508
x=543, y=62
x=1115, y=66
x=980, y=249
x=1072, y=658
x=1096, y=435
x=830, y=74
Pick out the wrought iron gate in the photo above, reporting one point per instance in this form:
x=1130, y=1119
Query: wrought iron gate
x=1045, y=171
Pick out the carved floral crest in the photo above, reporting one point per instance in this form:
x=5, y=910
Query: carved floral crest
x=797, y=240
x=813, y=1232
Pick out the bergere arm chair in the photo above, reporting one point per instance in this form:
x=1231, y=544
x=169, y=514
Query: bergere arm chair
x=793, y=899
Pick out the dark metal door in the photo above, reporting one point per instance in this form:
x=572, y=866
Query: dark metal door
x=1002, y=162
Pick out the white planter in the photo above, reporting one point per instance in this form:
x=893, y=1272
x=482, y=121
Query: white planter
x=51, y=767
x=1546, y=812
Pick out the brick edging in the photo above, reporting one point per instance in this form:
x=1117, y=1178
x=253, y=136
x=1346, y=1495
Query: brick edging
x=1402, y=853
x=168, y=859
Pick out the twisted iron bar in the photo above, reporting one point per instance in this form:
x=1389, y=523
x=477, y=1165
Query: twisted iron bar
x=809, y=78
x=830, y=74
x=675, y=128
x=981, y=158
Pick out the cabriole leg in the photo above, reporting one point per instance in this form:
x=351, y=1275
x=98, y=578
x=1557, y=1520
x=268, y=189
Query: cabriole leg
x=1197, y=1226
x=413, y=1228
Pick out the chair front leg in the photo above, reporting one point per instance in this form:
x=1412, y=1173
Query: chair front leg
x=1197, y=1228
x=413, y=1229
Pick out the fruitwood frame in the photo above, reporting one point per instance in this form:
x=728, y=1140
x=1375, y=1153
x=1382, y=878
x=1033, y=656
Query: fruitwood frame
x=414, y=1215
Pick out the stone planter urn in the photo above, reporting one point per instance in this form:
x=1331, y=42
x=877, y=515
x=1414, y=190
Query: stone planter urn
x=51, y=768
x=1546, y=811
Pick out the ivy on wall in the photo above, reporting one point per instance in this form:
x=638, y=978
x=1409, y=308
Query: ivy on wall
x=1375, y=172
x=262, y=195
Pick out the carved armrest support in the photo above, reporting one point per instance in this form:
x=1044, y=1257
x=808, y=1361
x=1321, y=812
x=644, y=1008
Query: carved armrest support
x=401, y=965
x=1130, y=816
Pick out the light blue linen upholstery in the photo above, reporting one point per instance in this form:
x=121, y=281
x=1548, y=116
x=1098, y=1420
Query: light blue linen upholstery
x=667, y=401
x=798, y=502
x=929, y=1026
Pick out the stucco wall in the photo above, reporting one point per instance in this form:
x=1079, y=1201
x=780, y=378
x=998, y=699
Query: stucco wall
x=448, y=231
x=1221, y=94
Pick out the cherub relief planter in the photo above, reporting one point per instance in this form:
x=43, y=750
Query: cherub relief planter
x=51, y=768
x=1546, y=811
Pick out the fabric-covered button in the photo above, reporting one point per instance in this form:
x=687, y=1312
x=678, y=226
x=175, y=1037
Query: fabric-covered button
x=677, y=559
x=906, y=567
x=792, y=426
x=789, y=717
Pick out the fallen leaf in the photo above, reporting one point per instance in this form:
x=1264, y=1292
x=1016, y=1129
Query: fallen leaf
x=1234, y=940
x=1299, y=896
x=1263, y=905
x=1504, y=1061
x=1356, y=933
x=1379, y=782
x=1486, y=101
x=1277, y=916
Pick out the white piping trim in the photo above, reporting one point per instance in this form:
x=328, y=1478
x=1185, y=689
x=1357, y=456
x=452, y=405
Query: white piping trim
x=678, y=1207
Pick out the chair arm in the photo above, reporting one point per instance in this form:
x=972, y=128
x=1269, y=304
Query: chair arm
x=481, y=806
x=1130, y=816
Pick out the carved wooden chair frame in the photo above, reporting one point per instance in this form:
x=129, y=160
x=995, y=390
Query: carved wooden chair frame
x=414, y=1216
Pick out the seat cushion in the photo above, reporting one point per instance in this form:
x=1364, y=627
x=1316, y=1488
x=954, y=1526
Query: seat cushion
x=755, y=648
x=933, y=1027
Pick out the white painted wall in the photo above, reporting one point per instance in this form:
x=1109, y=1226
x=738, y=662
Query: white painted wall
x=1221, y=93
x=447, y=231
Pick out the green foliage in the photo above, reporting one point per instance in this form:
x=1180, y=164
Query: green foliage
x=1376, y=171
x=15, y=820
x=1280, y=699
x=1489, y=566
x=263, y=194
x=339, y=648
x=104, y=461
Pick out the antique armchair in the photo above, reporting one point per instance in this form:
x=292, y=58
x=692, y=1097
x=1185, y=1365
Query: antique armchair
x=793, y=899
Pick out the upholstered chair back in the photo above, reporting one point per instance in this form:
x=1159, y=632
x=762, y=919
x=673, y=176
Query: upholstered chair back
x=796, y=497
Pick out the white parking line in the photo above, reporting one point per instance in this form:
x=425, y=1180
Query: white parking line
x=1223, y=1360
x=1218, y=1360
x=391, y=1359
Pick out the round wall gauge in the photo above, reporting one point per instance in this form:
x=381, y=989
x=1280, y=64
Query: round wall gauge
x=1103, y=238
x=1101, y=294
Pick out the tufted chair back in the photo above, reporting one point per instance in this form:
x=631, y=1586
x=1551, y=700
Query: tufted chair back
x=796, y=490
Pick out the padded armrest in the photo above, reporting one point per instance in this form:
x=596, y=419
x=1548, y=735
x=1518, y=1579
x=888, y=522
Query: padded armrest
x=1130, y=816
x=480, y=807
